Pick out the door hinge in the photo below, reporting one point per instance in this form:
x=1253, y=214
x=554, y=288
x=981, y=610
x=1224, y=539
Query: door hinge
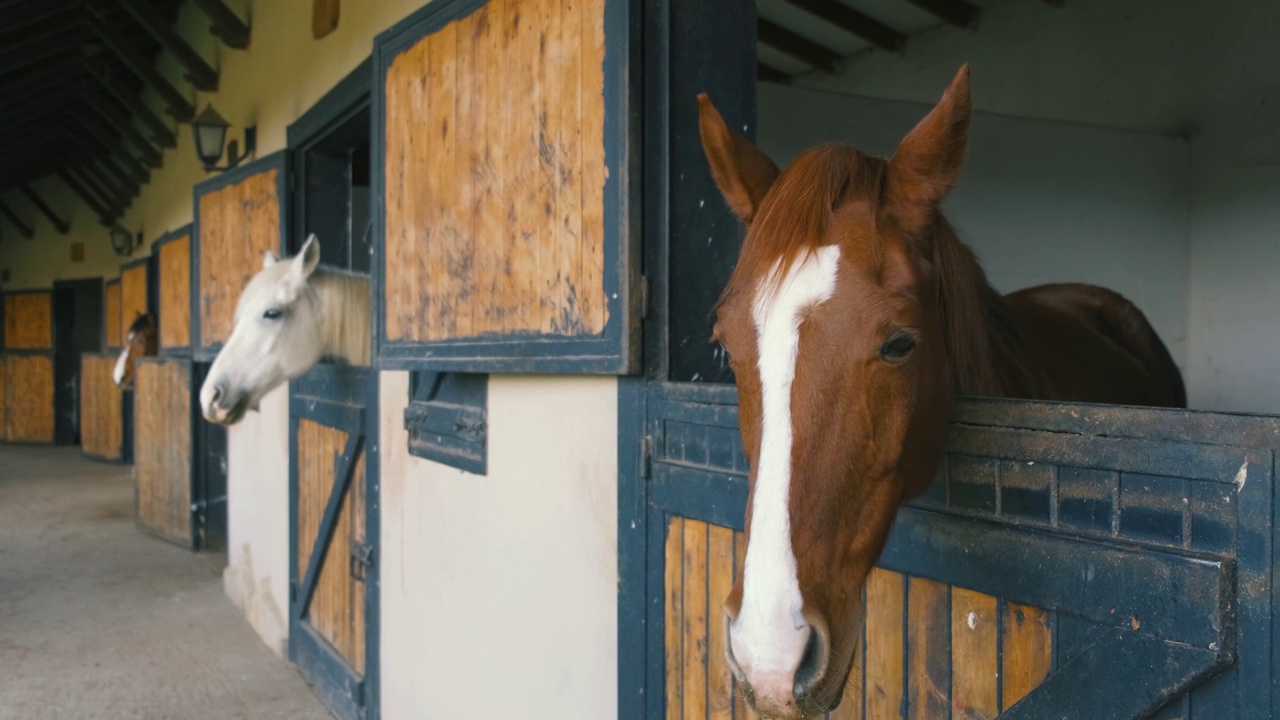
x=361, y=560
x=645, y=463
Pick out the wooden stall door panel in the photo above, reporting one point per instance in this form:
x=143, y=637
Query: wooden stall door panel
x=28, y=321
x=4, y=398
x=162, y=448
x=496, y=227
x=133, y=296
x=29, y=399
x=111, y=312
x=101, y=419
x=237, y=224
x=930, y=650
x=336, y=610
x=175, y=293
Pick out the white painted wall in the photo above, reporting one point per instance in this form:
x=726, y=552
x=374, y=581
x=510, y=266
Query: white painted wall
x=1203, y=71
x=499, y=593
x=1038, y=201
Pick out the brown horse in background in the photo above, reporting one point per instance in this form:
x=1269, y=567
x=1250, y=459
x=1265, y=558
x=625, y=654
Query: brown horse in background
x=142, y=339
x=853, y=317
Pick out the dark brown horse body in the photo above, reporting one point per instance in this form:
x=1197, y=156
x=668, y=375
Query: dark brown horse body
x=852, y=320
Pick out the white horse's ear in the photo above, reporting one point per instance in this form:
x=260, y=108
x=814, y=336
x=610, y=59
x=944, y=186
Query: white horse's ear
x=307, y=259
x=268, y=259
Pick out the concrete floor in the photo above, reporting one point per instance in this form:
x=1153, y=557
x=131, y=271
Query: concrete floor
x=99, y=621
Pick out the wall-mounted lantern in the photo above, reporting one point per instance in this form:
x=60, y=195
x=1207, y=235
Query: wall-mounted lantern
x=210, y=130
x=124, y=242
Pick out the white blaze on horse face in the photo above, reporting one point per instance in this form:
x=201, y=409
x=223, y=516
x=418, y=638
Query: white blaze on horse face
x=118, y=373
x=769, y=635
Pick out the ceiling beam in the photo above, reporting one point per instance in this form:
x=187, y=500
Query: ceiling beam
x=768, y=73
x=227, y=26
x=178, y=105
x=796, y=46
x=24, y=229
x=150, y=155
x=113, y=183
x=854, y=23
x=199, y=72
x=116, y=151
x=160, y=131
x=960, y=13
x=62, y=226
x=105, y=216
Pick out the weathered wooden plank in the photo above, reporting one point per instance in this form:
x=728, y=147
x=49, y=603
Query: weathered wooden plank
x=928, y=650
x=336, y=611
x=673, y=626
x=974, y=669
x=885, y=644
x=28, y=321
x=719, y=582
x=162, y=448
x=695, y=619
x=237, y=224
x=175, y=293
x=1026, y=651
x=505, y=259
x=101, y=418
x=133, y=296
x=111, y=314
x=29, y=399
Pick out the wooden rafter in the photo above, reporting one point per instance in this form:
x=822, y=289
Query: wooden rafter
x=957, y=12
x=227, y=26
x=199, y=72
x=105, y=216
x=24, y=228
x=854, y=23
x=160, y=131
x=768, y=73
x=150, y=155
x=796, y=45
x=62, y=226
x=178, y=106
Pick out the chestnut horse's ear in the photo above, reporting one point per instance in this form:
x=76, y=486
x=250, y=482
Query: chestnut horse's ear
x=741, y=170
x=927, y=162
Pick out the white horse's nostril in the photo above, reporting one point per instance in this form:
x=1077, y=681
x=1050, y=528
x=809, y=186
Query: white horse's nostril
x=217, y=394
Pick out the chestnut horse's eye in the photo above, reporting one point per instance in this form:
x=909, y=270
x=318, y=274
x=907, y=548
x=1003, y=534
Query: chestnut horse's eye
x=272, y=314
x=898, y=347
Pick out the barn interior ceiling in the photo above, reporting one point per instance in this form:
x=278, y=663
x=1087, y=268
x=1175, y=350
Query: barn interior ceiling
x=83, y=100
x=73, y=74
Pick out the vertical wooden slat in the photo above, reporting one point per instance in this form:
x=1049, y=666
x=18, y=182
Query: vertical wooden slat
x=569, y=193
x=594, y=310
x=30, y=399
x=111, y=313
x=740, y=709
x=1026, y=651
x=673, y=625
x=974, y=668
x=238, y=223
x=695, y=619
x=101, y=422
x=928, y=650
x=133, y=296
x=162, y=448
x=466, y=155
x=441, y=201
x=489, y=256
x=720, y=581
x=885, y=644
x=175, y=293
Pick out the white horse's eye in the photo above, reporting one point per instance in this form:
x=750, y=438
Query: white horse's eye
x=272, y=314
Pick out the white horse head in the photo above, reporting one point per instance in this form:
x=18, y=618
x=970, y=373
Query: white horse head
x=291, y=315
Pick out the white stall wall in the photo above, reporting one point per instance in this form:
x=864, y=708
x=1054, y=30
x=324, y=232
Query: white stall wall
x=1038, y=201
x=499, y=593
x=1205, y=71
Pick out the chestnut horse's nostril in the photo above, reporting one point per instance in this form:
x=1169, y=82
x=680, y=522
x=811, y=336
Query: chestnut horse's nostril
x=813, y=664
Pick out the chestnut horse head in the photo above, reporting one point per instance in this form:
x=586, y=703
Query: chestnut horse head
x=140, y=341
x=853, y=317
